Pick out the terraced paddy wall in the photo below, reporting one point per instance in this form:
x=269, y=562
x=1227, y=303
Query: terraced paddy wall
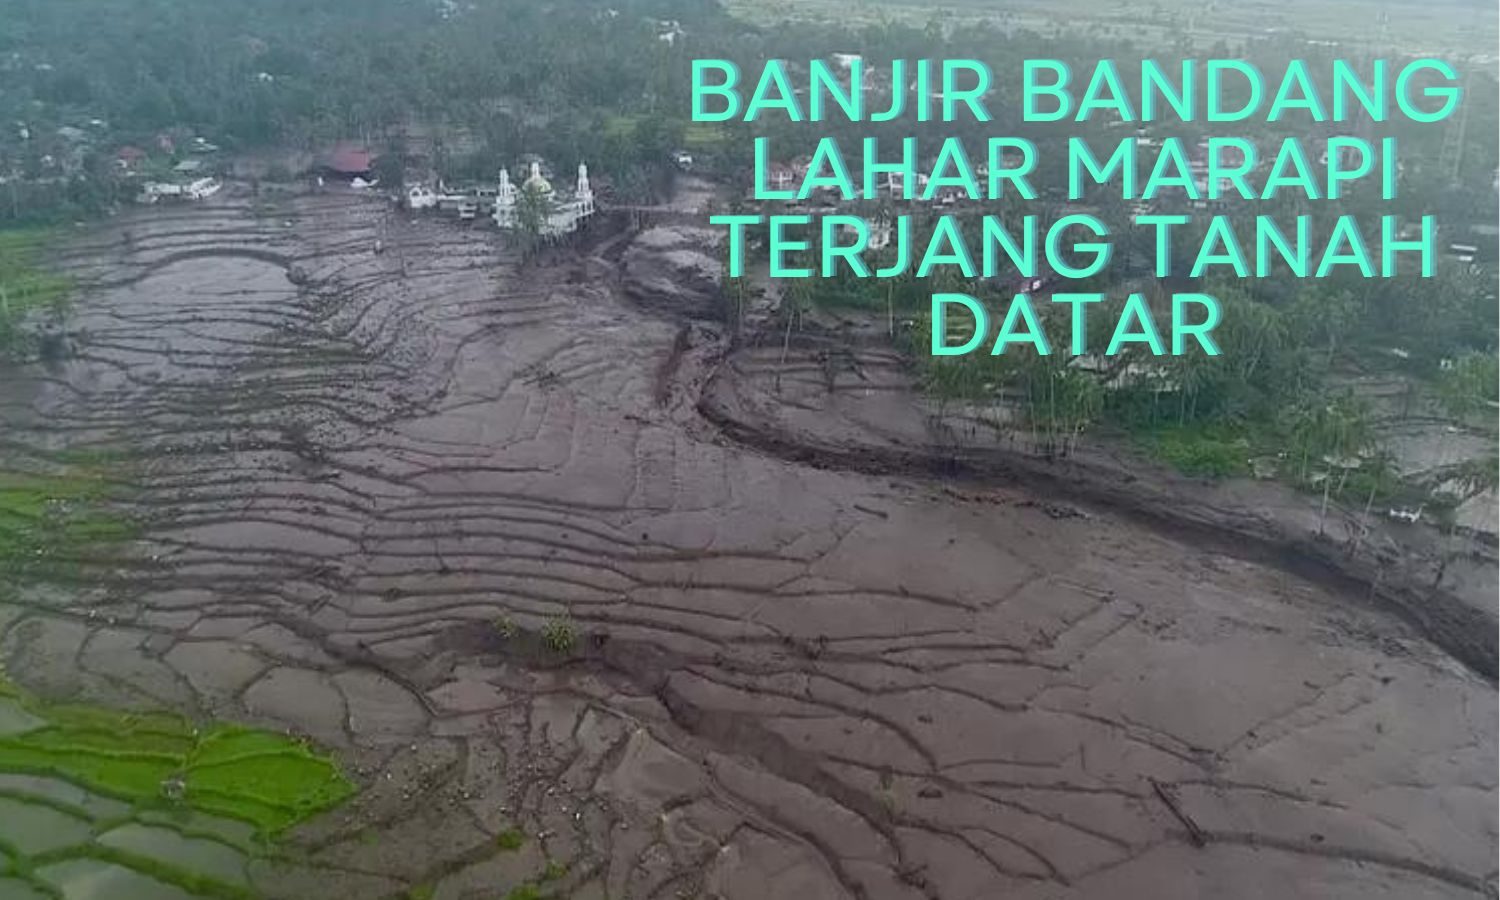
x=445, y=518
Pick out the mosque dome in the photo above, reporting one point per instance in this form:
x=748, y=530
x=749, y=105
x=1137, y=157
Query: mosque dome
x=536, y=182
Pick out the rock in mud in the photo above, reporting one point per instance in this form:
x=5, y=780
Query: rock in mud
x=675, y=270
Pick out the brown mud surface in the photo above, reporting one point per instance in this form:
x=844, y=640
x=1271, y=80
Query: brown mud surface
x=833, y=400
x=468, y=525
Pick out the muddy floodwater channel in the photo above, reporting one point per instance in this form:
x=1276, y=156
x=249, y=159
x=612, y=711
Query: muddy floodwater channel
x=463, y=525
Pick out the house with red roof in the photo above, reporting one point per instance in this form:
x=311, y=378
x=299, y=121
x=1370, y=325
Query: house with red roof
x=129, y=157
x=347, y=161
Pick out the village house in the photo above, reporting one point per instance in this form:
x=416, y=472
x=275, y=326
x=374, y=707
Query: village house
x=782, y=176
x=347, y=162
x=879, y=235
x=895, y=184
x=420, y=196
x=72, y=135
x=153, y=192
x=202, y=188
x=950, y=195
x=129, y=158
x=668, y=31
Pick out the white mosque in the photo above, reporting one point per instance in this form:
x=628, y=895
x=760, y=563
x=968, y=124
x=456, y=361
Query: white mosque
x=564, y=213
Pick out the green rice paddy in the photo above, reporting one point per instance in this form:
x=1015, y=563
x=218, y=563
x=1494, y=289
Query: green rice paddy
x=143, y=802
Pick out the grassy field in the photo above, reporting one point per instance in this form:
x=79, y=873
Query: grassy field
x=50, y=523
x=1452, y=29
x=24, y=285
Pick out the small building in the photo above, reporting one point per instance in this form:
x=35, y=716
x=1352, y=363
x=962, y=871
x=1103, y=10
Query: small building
x=202, y=189
x=347, y=162
x=950, y=195
x=420, y=196
x=877, y=234
x=895, y=183
x=129, y=157
x=153, y=191
x=668, y=31
x=781, y=176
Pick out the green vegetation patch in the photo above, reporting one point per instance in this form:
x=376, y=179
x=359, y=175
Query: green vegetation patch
x=617, y=126
x=559, y=635
x=161, y=760
x=1212, y=451
x=511, y=839
x=48, y=521
x=146, y=804
x=24, y=284
x=704, y=136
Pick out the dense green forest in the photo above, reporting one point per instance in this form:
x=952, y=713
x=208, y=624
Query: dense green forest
x=567, y=80
x=605, y=81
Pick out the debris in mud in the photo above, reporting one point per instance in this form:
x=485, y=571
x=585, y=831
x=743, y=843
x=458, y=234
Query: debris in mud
x=1056, y=510
x=837, y=361
x=913, y=875
x=671, y=270
x=174, y=789
x=1196, y=835
x=539, y=375
x=54, y=344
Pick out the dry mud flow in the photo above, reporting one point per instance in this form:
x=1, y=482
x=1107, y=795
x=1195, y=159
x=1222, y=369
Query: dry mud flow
x=464, y=524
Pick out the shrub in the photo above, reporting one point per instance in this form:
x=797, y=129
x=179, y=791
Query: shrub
x=559, y=635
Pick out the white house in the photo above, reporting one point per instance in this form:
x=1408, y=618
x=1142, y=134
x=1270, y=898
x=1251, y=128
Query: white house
x=420, y=196
x=202, y=189
x=152, y=191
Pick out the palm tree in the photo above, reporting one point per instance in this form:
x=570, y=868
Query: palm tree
x=796, y=299
x=1344, y=433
